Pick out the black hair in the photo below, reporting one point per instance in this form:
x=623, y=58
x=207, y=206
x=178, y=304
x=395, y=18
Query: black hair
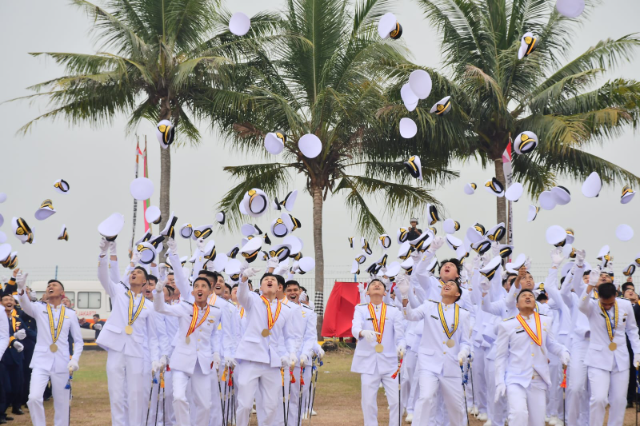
x=170, y=290
x=141, y=269
x=522, y=292
x=291, y=283
x=302, y=288
x=457, y=282
x=152, y=278
x=56, y=281
x=380, y=281
x=509, y=275
x=96, y=315
x=607, y=290
x=453, y=260
x=268, y=274
x=170, y=273
x=542, y=296
x=627, y=284
x=280, y=279
x=234, y=286
x=228, y=286
x=202, y=279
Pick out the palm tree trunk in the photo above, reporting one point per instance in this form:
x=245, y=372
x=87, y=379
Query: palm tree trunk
x=319, y=256
x=500, y=201
x=165, y=171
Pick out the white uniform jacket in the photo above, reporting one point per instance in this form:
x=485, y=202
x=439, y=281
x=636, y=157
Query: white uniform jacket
x=253, y=346
x=202, y=342
x=113, y=335
x=303, y=327
x=518, y=358
x=365, y=358
x=599, y=355
x=433, y=353
x=58, y=361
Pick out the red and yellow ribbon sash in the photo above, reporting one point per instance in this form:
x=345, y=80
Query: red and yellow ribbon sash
x=271, y=318
x=537, y=336
x=194, y=319
x=378, y=327
x=443, y=320
x=212, y=299
x=610, y=330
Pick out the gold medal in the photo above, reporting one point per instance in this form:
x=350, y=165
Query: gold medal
x=54, y=348
x=613, y=346
x=187, y=340
x=379, y=348
x=451, y=343
x=265, y=333
x=128, y=329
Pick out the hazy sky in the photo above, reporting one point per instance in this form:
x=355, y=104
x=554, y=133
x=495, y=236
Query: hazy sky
x=98, y=163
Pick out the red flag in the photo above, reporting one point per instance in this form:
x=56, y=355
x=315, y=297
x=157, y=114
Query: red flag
x=338, y=314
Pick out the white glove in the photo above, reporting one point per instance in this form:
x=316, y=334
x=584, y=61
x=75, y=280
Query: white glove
x=18, y=346
x=476, y=262
x=565, y=358
x=436, y=244
x=173, y=246
x=216, y=360
x=73, y=365
x=369, y=335
x=292, y=360
x=495, y=248
x=304, y=360
x=21, y=282
x=403, y=286
x=97, y=326
x=527, y=264
x=580, y=255
x=320, y=353
x=401, y=350
x=361, y=287
x=113, y=248
x=104, y=247
x=415, y=255
x=556, y=257
x=160, y=286
x=135, y=257
x=273, y=262
x=249, y=272
x=164, y=361
x=284, y=361
x=303, y=297
x=20, y=334
x=230, y=362
x=594, y=276
x=501, y=392
x=200, y=244
x=155, y=367
x=463, y=355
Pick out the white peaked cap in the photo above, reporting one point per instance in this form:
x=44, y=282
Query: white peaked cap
x=306, y=264
x=5, y=252
x=3, y=197
x=555, y=235
x=473, y=235
x=295, y=243
x=533, y=213
x=46, y=210
x=393, y=269
x=61, y=185
x=239, y=24
x=624, y=232
x=561, y=194
x=310, y=145
x=547, y=201
x=111, y=226
x=386, y=24
x=141, y=188
x=592, y=185
x=517, y=263
x=3, y=237
x=570, y=8
x=470, y=188
x=522, y=51
x=152, y=214
x=420, y=83
x=273, y=144
x=233, y=267
x=408, y=128
x=449, y=226
x=409, y=98
x=514, y=192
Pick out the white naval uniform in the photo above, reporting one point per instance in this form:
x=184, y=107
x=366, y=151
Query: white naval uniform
x=126, y=352
x=523, y=367
x=374, y=367
x=191, y=361
x=259, y=358
x=438, y=366
x=47, y=365
x=608, y=370
x=171, y=328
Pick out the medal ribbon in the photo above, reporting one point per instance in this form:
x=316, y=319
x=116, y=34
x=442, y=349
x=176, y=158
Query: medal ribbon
x=241, y=312
x=443, y=320
x=610, y=330
x=212, y=299
x=271, y=319
x=14, y=315
x=378, y=327
x=536, y=338
x=193, y=326
x=55, y=330
x=132, y=317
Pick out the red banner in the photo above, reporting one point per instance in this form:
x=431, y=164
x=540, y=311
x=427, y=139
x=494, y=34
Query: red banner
x=338, y=314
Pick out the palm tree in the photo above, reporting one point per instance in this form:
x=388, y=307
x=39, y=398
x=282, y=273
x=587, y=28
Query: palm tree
x=496, y=96
x=328, y=80
x=155, y=57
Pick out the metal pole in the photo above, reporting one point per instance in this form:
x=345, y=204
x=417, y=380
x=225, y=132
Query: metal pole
x=56, y=277
x=464, y=392
x=153, y=380
x=68, y=386
x=284, y=405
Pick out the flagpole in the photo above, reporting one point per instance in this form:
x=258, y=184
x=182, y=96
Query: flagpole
x=135, y=202
x=507, y=167
x=147, y=202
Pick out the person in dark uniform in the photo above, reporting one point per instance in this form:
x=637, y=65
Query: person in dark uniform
x=96, y=325
x=11, y=372
x=629, y=293
x=413, y=231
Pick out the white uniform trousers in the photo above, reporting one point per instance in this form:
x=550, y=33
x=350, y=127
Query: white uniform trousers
x=261, y=377
x=408, y=378
x=527, y=405
x=39, y=379
x=577, y=392
x=217, y=386
x=496, y=411
x=477, y=394
x=151, y=395
x=431, y=386
x=369, y=389
x=554, y=394
x=125, y=378
x=167, y=400
x=294, y=397
x=200, y=385
x=309, y=375
x=607, y=387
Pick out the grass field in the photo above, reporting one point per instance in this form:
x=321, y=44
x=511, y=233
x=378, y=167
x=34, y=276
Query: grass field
x=337, y=400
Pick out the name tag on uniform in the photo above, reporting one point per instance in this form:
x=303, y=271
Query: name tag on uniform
x=210, y=321
x=369, y=319
x=521, y=331
x=435, y=318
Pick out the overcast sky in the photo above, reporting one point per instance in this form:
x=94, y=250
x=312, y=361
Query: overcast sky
x=99, y=163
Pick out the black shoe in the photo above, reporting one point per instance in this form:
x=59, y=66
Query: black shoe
x=8, y=418
x=17, y=411
x=47, y=398
x=3, y=421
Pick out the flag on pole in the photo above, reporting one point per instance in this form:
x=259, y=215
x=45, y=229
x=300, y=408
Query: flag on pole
x=147, y=202
x=508, y=177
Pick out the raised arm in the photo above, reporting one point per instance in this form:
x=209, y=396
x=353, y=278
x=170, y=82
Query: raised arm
x=103, y=269
x=413, y=314
x=161, y=307
x=181, y=280
x=78, y=343
x=398, y=331
x=586, y=305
